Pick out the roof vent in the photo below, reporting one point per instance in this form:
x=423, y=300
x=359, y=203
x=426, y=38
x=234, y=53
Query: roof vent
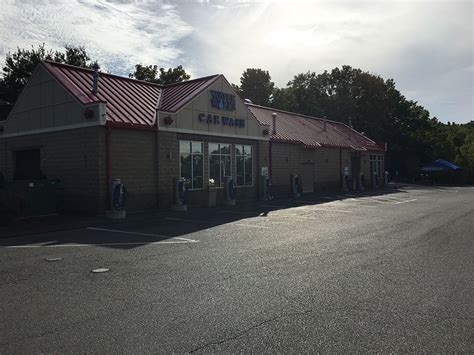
x=274, y=121
x=95, y=78
x=247, y=101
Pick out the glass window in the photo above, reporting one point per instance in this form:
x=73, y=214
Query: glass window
x=219, y=162
x=244, y=165
x=376, y=164
x=192, y=163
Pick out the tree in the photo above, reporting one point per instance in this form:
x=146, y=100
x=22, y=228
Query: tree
x=150, y=73
x=373, y=105
x=145, y=72
x=74, y=56
x=175, y=75
x=20, y=65
x=256, y=85
x=284, y=99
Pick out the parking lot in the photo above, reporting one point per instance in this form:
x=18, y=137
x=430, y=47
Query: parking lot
x=389, y=270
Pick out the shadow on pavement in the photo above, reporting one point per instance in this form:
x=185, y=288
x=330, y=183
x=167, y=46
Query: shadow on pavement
x=155, y=226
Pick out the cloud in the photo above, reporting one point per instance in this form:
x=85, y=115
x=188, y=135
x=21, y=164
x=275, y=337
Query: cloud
x=118, y=34
x=424, y=46
x=427, y=47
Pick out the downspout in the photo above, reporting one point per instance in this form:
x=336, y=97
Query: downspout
x=340, y=168
x=270, y=160
x=108, y=161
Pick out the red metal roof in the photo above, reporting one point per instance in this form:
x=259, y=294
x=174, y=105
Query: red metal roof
x=177, y=95
x=311, y=131
x=129, y=102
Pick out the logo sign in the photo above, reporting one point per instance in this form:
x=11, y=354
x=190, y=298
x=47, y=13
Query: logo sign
x=224, y=120
x=222, y=101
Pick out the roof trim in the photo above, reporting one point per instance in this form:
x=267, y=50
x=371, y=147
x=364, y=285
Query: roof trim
x=213, y=134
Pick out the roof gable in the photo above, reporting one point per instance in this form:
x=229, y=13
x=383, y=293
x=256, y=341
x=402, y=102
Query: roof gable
x=129, y=102
x=175, y=96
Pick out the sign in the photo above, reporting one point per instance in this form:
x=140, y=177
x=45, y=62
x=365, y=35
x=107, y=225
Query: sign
x=222, y=101
x=224, y=120
x=264, y=171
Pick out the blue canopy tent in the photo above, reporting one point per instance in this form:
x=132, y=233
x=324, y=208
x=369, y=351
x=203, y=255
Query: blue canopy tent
x=440, y=165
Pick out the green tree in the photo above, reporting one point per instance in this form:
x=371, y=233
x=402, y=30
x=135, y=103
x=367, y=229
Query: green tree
x=284, y=99
x=372, y=105
x=173, y=75
x=145, y=72
x=256, y=85
x=20, y=65
x=152, y=74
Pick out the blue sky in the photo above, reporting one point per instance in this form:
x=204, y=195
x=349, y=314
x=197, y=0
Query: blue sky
x=426, y=46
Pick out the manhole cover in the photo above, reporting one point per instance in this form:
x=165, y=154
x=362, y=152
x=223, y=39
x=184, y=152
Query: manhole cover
x=54, y=259
x=99, y=270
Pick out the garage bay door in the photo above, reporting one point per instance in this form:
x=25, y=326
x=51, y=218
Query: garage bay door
x=307, y=177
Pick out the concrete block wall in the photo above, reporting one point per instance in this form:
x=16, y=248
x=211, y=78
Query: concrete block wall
x=71, y=156
x=327, y=169
x=328, y=165
x=365, y=166
x=134, y=161
x=168, y=166
x=285, y=161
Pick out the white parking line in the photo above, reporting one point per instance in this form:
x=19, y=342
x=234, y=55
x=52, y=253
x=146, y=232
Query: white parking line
x=236, y=212
x=406, y=201
x=330, y=209
x=137, y=233
x=183, y=220
x=93, y=244
x=250, y=225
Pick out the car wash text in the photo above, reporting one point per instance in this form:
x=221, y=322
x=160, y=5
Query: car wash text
x=224, y=120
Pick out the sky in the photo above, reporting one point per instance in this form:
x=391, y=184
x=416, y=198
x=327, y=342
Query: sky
x=427, y=47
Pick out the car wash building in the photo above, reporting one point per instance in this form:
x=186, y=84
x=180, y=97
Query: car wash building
x=326, y=155
x=87, y=128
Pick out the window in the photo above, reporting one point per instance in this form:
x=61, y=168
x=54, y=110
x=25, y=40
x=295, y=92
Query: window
x=219, y=162
x=192, y=163
x=244, y=165
x=376, y=164
x=28, y=165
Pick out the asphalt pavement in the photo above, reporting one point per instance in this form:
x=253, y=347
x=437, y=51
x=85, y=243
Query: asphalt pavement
x=391, y=271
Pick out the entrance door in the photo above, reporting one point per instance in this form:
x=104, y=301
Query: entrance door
x=355, y=167
x=307, y=177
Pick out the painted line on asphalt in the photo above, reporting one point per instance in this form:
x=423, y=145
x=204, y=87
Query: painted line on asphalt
x=406, y=201
x=182, y=220
x=350, y=202
x=251, y=225
x=274, y=206
x=144, y=234
x=330, y=209
x=92, y=244
x=236, y=212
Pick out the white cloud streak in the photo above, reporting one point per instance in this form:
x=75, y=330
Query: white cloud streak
x=117, y=34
